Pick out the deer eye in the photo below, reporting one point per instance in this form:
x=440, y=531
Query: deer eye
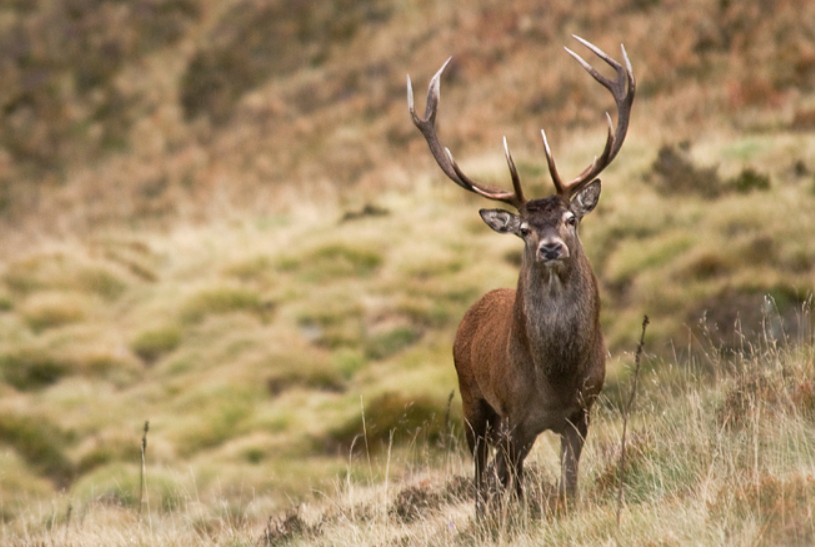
x=524, y=230
x=571, y=220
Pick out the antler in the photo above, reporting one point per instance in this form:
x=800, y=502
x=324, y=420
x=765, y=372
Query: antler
x=445, y=159
x=623, y=97
x=622, y=89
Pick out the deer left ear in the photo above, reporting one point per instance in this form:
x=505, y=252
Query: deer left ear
x=501, y=221
x=586, y=199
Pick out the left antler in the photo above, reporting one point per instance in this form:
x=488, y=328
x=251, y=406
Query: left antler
x=622, y=89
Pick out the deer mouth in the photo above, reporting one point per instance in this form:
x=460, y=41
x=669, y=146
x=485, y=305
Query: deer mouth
x=557, y=264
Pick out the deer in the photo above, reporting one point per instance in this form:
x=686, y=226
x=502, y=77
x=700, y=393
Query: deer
x=532, y=359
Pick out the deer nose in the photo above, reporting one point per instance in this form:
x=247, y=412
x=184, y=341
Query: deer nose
x=551, y=250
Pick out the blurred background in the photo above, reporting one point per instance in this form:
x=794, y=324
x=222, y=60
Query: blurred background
x=218, y=217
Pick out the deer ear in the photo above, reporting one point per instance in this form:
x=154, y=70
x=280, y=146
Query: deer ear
x=586, y=199
x=501, y=221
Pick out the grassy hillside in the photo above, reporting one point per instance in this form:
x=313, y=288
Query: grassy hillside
x=218, y=218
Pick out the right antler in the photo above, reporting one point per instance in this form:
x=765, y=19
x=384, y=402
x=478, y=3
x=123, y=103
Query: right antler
x=445, y=159
x=623, y=97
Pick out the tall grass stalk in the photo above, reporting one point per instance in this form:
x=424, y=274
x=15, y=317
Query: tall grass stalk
x=626, y=412
x=143, y=495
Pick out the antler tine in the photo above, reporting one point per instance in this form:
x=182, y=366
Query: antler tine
x=443, y=156
x=622, y=89
x=550, y=160
x=516, y=180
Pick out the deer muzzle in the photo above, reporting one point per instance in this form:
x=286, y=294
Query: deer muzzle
x=552, y=250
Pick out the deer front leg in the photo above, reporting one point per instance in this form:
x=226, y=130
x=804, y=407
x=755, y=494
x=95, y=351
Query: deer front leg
x=478, y=424
x=571, y=445
x=511, y=451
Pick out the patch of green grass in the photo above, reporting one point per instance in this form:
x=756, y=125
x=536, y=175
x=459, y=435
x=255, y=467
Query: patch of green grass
x=52, y=309
x=258, y=268
x=749, y=180
x=334, y=323
x=333, y=261
x=632, y=257
x=154, y=343
x=71, y=351
x=391, y=415
x=310, y=369
x=383, y=345
x=40, y=443
x=107, y=450
x=348, y=362
x=118, y=485
x=61, y=271
x=31, y=368
x=222, y=300
x=220, y=413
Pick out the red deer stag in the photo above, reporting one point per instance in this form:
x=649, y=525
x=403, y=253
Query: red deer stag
x=533, y=358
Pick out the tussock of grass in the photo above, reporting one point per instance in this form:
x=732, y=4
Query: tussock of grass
x=117, y=485
x=40, y=443
x=154, y=343
x=61, y=271
x=258, y=269
x=387, y=343
x=222, y=300
x=32, y=368
x=389, y=418
x=308, y=371
x=51, y=309
x=333, y=261
x=57, y=354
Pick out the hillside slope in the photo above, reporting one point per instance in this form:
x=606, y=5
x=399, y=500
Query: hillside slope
x=218, y=218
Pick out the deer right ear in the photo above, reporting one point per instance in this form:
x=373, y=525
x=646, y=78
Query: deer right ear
x=501, y=221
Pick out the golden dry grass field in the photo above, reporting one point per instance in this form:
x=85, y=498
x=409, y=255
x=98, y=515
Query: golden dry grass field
x=218, y=218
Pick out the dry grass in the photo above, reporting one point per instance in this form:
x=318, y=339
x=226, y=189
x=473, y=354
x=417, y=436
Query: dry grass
x=694, y=476
x=248, y=245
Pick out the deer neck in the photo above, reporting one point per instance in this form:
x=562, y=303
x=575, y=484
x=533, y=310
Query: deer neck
x=556, y=312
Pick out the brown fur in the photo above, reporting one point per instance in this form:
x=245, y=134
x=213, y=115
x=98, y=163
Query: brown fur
x=532, y=359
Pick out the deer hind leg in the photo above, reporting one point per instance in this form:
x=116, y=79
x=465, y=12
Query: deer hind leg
x=480, y=419
x=571, y=445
